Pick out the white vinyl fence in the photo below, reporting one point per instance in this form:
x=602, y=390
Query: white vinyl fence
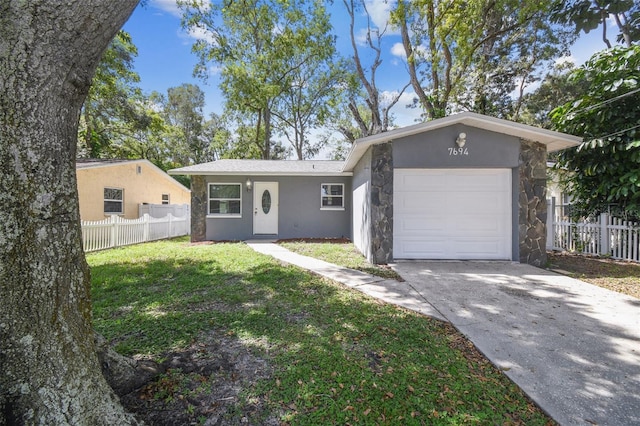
x=115, y=231
x=605, y=235
x=161, y=210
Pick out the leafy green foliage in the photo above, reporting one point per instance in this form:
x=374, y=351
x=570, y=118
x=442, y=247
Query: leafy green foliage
x=557, y=88
x=455, y=64
x=337, y=356
x=605, y=169
x=587, y=15
x=275, y=58
x=112, y=110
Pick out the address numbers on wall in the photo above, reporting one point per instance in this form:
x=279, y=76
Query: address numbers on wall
x=458, y=151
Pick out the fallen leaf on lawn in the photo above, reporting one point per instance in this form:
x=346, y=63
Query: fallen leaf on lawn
x=367, y=411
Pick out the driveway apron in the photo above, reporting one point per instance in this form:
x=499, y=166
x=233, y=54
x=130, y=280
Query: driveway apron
x=574, y=348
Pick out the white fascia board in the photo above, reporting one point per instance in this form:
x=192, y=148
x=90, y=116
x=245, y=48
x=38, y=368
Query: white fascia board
x=251, y=173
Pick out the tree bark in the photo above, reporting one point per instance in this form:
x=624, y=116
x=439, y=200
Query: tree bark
x=49, y=371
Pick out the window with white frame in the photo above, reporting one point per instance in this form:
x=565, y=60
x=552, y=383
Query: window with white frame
x=165, y=199
x=225, y=199
x=332, y=196
x=113, y=201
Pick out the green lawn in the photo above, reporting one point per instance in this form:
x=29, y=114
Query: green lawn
x=339, y=253
x=336, y=356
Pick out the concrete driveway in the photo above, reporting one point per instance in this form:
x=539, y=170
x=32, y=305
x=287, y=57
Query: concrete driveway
x=572, y=347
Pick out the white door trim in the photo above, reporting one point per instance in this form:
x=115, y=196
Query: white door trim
x=265, y=218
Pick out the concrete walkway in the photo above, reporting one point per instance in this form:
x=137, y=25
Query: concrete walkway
x=390, y=291
x=574, y=348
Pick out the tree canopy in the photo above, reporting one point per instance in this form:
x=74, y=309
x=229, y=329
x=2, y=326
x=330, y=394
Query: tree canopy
x=112, y=111
x=473, y=55
x=604, y=171
x=587, y=15
x=266, y=50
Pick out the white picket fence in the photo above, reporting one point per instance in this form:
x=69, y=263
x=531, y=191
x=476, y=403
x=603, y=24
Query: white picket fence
x=605, y=235
x=115, y=231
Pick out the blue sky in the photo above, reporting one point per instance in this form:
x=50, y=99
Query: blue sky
x=165, y=59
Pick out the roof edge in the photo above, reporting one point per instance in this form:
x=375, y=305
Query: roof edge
x=249, y=173
x=165, y=175
x=554, y=141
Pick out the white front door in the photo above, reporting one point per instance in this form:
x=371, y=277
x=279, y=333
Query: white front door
x=265, y=207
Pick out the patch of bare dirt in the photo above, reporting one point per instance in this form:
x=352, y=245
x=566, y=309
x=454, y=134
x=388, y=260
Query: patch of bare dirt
x=202, y=385
x=616, y=275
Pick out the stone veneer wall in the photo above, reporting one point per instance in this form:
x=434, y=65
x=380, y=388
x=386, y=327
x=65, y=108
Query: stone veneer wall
x=198, y=208
x=533, y=203
x=382, y=203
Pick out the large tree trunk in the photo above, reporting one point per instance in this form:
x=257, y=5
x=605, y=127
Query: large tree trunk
x=49, y=371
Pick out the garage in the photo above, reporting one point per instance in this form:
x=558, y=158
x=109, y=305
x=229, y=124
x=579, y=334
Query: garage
x=452, y=214
x=462, y=187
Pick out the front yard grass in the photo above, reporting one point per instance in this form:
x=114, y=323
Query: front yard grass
x=331, y=355
x=341, y=253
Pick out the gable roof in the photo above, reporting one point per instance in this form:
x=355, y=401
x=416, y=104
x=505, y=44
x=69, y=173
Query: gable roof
x=554, y=141
x=265, y=168
x=94, y=163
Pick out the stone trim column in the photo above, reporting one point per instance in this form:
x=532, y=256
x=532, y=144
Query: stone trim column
x=198, y=208
x=532, y=209
x=382, y=203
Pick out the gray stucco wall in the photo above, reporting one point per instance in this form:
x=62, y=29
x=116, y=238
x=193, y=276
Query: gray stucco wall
x=361, y=223
x=431, y=150
x=299, y=213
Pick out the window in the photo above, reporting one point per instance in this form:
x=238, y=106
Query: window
x=225, y=199
x=113, y=201
x=332, y=196
x=165, y=199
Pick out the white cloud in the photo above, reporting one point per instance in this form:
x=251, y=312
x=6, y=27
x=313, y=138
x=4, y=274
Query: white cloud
x=404, y=115
x=167, y=6
x=398, y=50
x=379, y=11
x=565, y=60
x=199, y=33
x=171, y=6
x=361, y=37
x=215, y=70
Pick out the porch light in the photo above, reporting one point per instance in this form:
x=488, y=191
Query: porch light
x=249, y=184
x=462, y=139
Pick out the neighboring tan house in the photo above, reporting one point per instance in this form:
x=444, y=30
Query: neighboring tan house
x=465, y=186
x=118, y=187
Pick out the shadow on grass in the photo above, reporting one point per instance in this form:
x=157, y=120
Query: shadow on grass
x=593, y=267
x=336, y=355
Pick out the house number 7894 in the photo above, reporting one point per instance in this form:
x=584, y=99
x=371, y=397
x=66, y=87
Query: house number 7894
x=458, y=151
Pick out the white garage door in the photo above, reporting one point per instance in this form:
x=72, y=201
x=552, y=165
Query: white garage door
x=452, y=214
